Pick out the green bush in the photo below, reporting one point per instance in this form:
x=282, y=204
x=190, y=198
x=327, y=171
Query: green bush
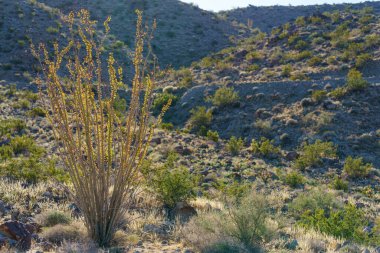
x=167, y=126
x=312, y=154
x=338, y=92
x=264, y=147
x=339, y=184
x=286, y=70
x=173, y=185
x=22, y=104
x=362, y=60
x=241, y=227
x=25, y=145
x=37, y=112
x=161, y=100
x=52, y=218
x=315, y=61
x=356, y=168
x=347, y=223
x=318, y=95
x=11, y=126
x=355, y=81
x=120, y=106
x=224, y=96
x=200, y=117
x=294, y=179
x=32, y=169
x=234, y=145
x=313, y=200
x=212, y=135
x=184, y=77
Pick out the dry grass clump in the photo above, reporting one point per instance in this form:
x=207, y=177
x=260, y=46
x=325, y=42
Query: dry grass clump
x=51, y=218
x=75, y=232
x=244, y=226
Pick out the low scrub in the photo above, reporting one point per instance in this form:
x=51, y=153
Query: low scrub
x=312, y=154
x=356, y=168
x=224, y=96
x=264, y=147
x=234, y=145
x=200, y=117
x=243, y=226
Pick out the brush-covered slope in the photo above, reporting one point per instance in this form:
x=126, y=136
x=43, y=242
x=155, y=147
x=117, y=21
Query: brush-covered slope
x=310, y=48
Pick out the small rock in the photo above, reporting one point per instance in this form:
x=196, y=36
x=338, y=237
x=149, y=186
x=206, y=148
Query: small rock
x=307, y=102
x=291, y=156
x=292, y=245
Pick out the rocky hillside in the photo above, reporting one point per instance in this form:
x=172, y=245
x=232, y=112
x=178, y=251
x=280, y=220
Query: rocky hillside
x=315, y=47
x=265, y=18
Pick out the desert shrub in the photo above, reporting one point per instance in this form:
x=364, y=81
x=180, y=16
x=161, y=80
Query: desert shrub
x=11, y=126
x=172, y=184
x=167, y=126
x=60, y=233
x=52, y=30
x=313, y=200
x=338, y=92
x=120, y=106
x=303, y=55
x=264, y=147
x=200, y=117
x=212, y=135
x=161, y=100
x=22, y=104
x=265, y=126
x=225, y=96
x=318, y=95
x=25, y=145
x=315, y=61
x=356, y=168
x=300, y=21
x=312, y=154
x=234, y=145
x=184, y=77
x=37, y=112
x=32, y=169
x=345, y=223
x=298, y=76
x=242, y=227
x=286, y=70
x=52, y=218
x=362, y=60
x=355, y=81
x=294, y=179
x=339, y=184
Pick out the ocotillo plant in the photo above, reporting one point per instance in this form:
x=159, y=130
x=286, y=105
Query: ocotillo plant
x=101, y=151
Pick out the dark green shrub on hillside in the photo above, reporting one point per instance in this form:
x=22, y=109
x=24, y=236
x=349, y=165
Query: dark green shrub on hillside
x=25, y=145
x=315, y=61
x=184, y=77
x=286, y=70
x=200, y=117
x=212, y=135
x=52, y=218
x=362, y=60
x=224, y=96
x=338, y=92
x=312, y=201
x=235, y=145
x=172, y=184
x=339, y=184
x=356, y=168
x=355, y=81
x=162, y=99
x=318, y=95
x=264, y=147
x=347, y=223
x=312, y=154
x=37, y=112
x=294, y=179
x=11, y=126
x=32, y=169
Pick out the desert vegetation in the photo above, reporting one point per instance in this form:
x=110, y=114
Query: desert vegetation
x=108, y=143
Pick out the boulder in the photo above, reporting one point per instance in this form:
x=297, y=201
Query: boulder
x=19, y=232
